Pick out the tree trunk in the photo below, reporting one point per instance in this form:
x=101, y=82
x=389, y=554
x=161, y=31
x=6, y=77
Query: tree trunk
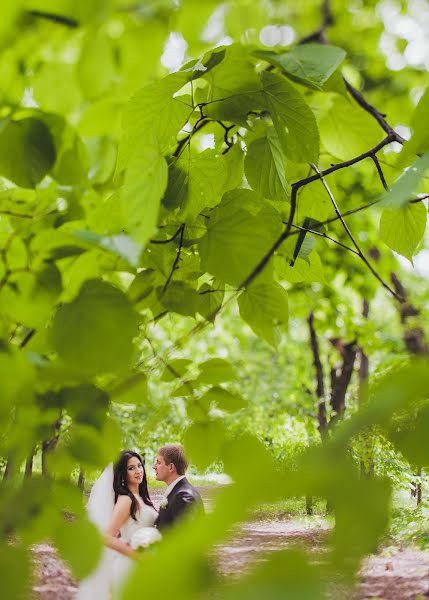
x=320, y=385
x=340, y=378
x=9, y=469
x=49, y=445
x=81, y=480
x=366, y=464
x=29, y=463
x=415, y=342
x=309, y=505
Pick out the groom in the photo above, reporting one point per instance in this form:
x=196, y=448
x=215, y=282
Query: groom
x=180, y=496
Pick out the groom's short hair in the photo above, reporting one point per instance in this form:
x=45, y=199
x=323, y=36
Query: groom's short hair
x=174, y=453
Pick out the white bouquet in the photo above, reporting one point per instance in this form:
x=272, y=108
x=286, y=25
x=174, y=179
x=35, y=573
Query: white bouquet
x=145, y=537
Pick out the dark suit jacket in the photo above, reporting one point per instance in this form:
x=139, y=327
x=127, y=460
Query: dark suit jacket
x=181, y=500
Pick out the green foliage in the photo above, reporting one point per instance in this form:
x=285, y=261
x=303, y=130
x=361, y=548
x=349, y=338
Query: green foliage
x=128, y=231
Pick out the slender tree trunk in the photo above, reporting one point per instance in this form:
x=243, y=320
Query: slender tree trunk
x=320, y=385
x=49, y=445
x=340, y=378
x=415, y=342
x=322, y=416
x=29, y=463
x=9, y=469
x=81, y=480
x=309, y=505
x=366, y=464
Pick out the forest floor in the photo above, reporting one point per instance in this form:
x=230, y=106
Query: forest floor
x=394, y=573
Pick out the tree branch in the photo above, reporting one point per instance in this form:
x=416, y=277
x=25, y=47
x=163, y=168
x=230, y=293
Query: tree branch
x=59, y=19
x=354, y=242
x=176, y=260
x=326, y=237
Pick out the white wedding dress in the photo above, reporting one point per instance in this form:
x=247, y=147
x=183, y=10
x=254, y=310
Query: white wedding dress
x=105, y=582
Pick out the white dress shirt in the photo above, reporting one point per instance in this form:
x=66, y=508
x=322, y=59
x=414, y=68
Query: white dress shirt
x=172, y=484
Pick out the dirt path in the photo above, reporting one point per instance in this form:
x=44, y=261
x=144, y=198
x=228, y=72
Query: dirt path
x=392, y=575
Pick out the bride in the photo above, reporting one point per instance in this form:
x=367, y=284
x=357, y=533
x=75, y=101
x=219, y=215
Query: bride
x=119, y=504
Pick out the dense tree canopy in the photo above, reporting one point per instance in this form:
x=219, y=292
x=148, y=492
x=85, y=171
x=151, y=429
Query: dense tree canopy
x=163, y=164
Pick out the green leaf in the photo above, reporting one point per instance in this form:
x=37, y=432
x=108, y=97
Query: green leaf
x=132, y=390
x=180, y=298
x=407, y=184
x=339, y=131
x=144, y=185
x=223, y=399
x=94, y=332
x=293, y=120
x=27, y=151
x=264, y=306
x=71, y=538
x=96, y=67
x=239, y=233
x=86, y=404
x=264, y=167
x=235, y=88
x=15, y=569
x=211, y=299
x=215, y=370
x=203, y=442
x=152, y=119
x=17, y=377
x=419, y=141
x=303, y=270
x=309, y=64
x=314, y=201
x=175, y=368
x=403, y=228
x=120, y=245
x=201, y=183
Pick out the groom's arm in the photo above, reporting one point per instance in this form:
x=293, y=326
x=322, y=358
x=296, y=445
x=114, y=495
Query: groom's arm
x=182, y=503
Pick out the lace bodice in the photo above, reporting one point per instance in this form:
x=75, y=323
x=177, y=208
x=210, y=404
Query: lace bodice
x=145, y=516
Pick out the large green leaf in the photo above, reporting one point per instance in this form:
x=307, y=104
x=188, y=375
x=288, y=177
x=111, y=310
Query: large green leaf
x=403, y=228
x=199, y=182
x=215, y=370
x=153, y=118
x=235, y=88
x=264, y=306
x=223, y=399
x=309, y=64
x=239, y=233
x=15, y=569
x=204, y=442
x=145, y=183
x=347, y=130
x=419, y=141
x=293, y=120
x=407, y=184
x=27, y=151
x=96, y=67
x=264, y=167
x=94, y=332
x=71, y=538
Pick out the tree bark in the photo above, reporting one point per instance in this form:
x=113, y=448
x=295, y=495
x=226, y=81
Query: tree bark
x=49, y=445
x=320, y=385
x=340, y=378
x=81, y=480
x=29, y=463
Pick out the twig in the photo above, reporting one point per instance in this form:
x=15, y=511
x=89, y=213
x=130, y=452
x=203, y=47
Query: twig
x=176, y=260
x=59, y=19
x=380, y=172
x=378, y=116
x=324, y=235
x=167, y=241
x=353, y=240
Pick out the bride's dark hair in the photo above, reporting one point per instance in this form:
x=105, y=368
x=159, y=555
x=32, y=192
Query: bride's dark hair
x=120, y=481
